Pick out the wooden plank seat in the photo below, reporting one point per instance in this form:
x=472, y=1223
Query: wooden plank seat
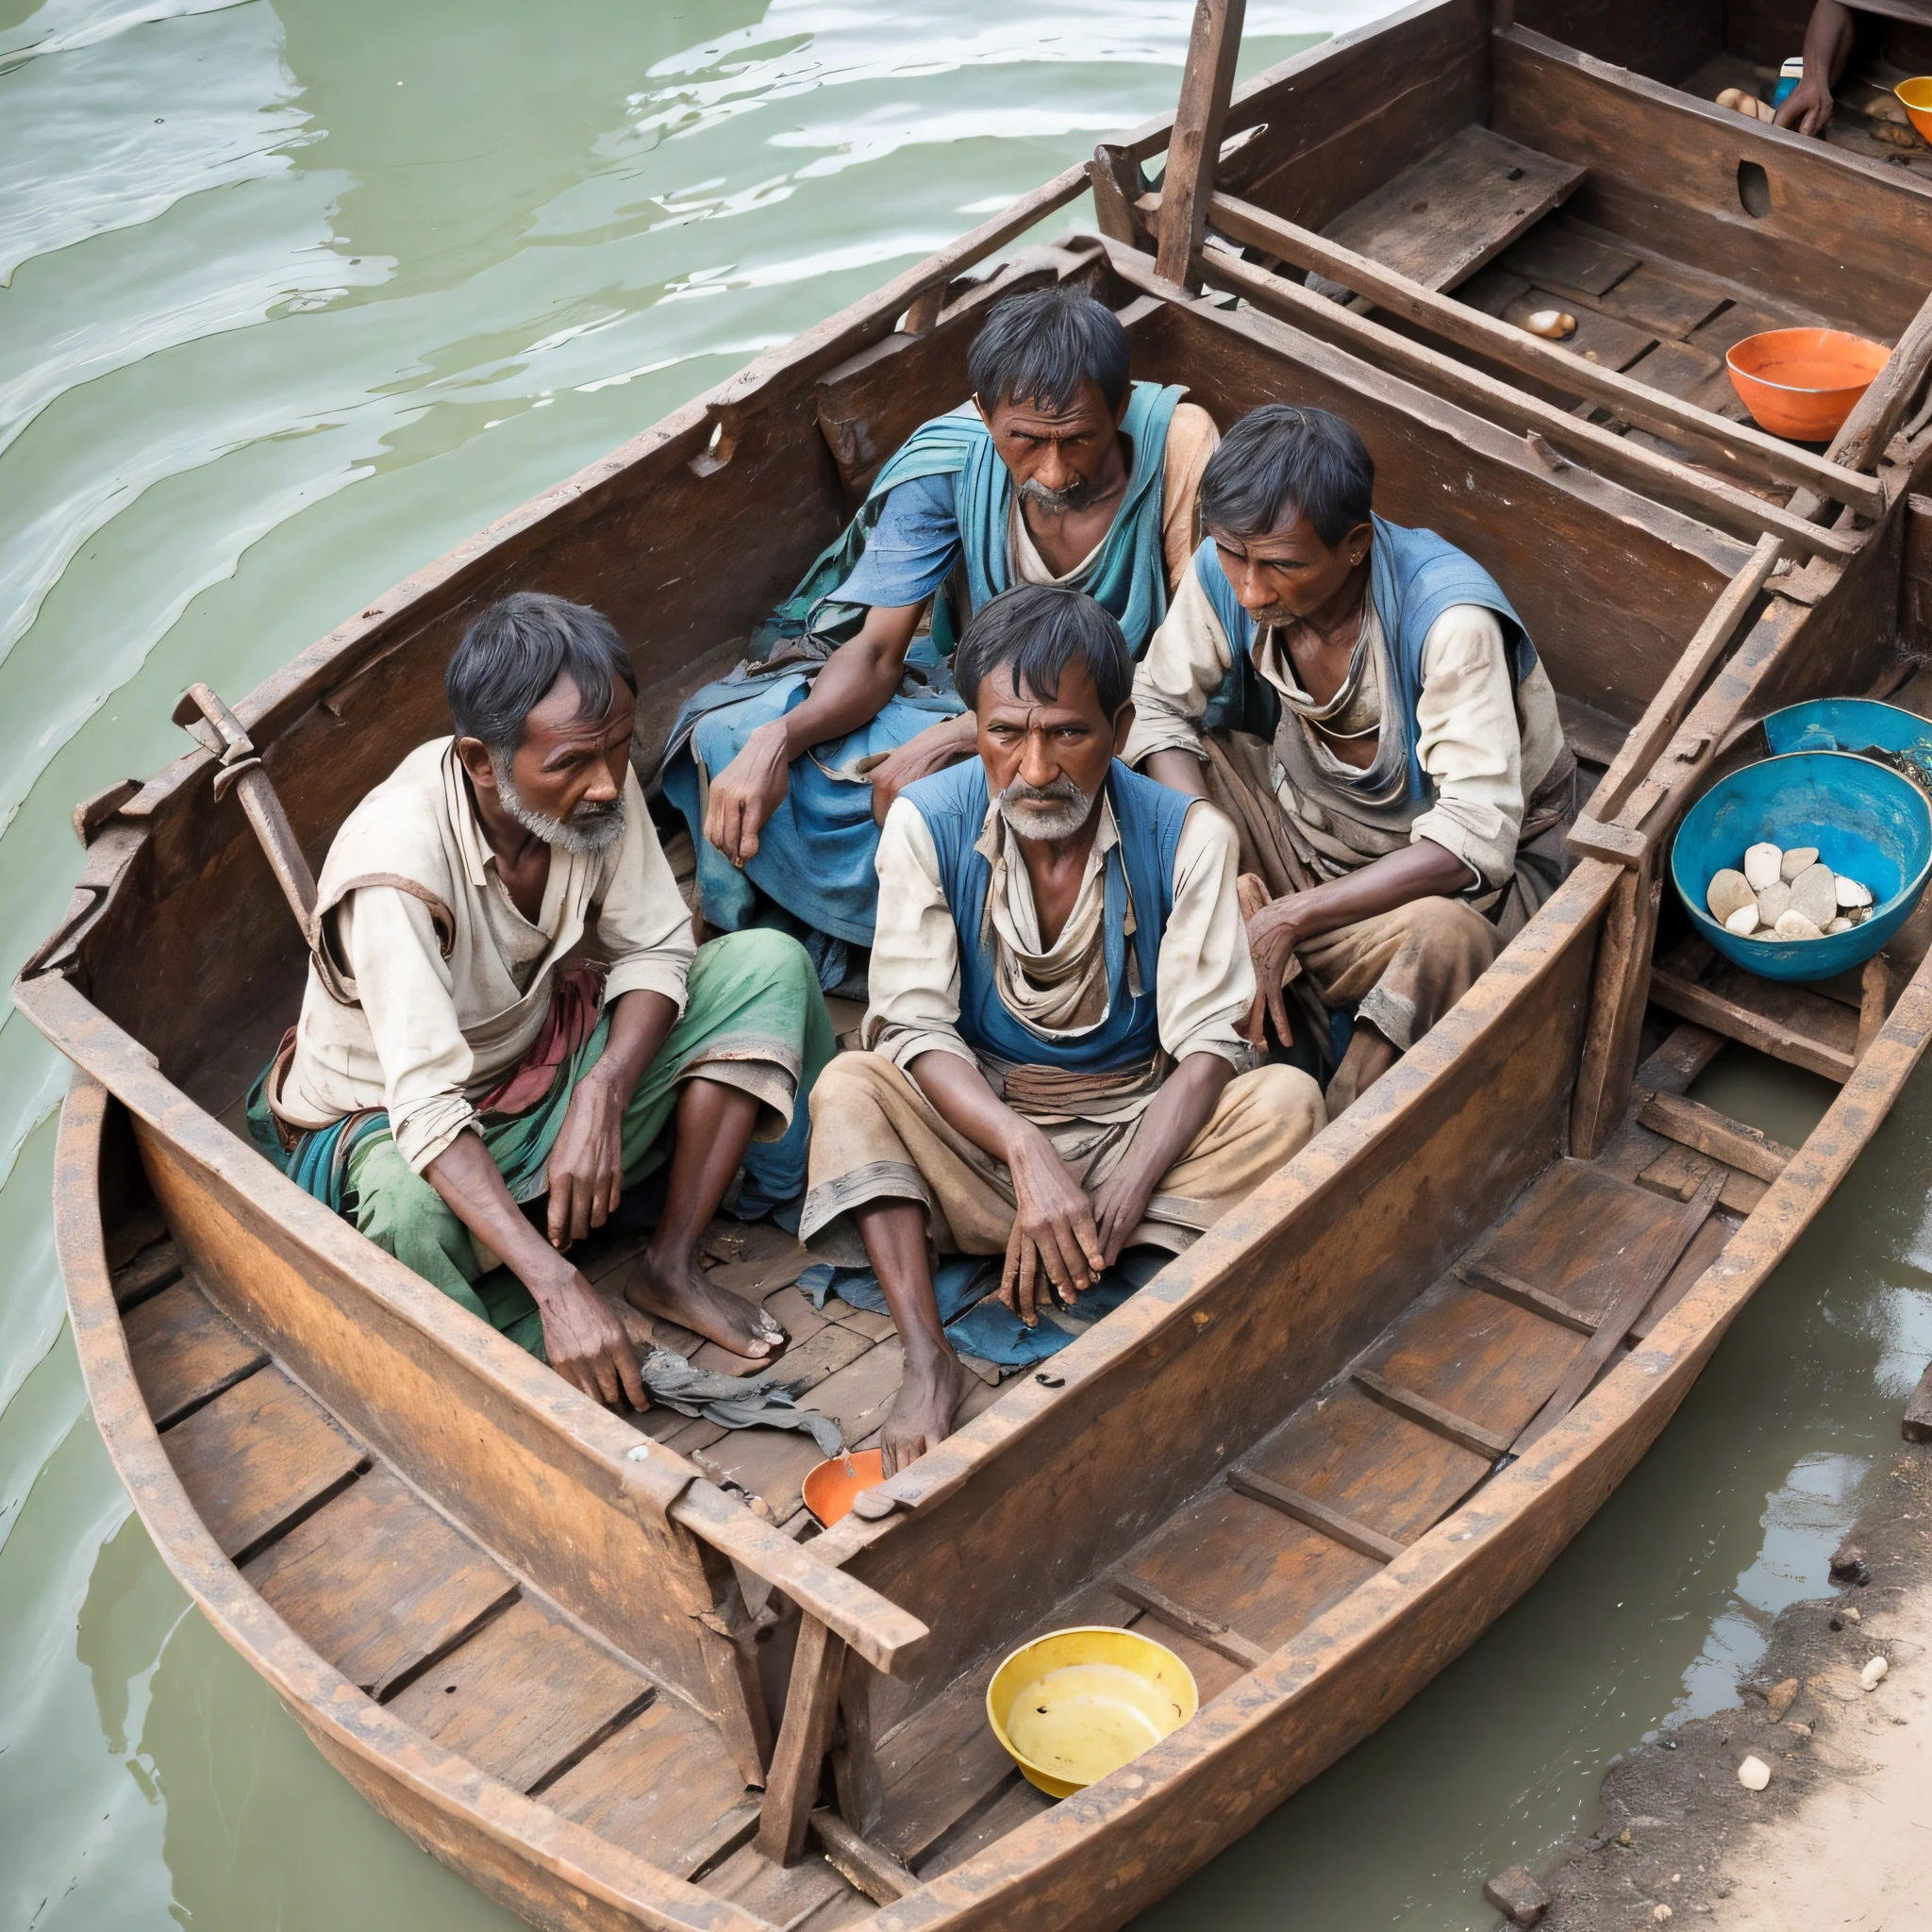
x=1790, y=1023
x=1458, y=207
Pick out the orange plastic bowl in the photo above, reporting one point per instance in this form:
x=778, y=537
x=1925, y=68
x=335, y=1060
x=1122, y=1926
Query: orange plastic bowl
x=834, y=1485
x=1915, y=96
x=1801, y=383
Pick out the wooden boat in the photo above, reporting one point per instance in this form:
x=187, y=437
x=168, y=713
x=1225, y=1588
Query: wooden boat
x=1704, y=50
x=595, y=1662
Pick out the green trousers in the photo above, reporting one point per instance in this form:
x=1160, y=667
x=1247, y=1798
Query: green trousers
x=755, y=1019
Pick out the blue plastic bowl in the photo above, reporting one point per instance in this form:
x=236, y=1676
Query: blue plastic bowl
x=1854, y=725
x=1866, y=821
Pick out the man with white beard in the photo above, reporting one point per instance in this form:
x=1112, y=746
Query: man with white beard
x=1056, y=1067
x=505, y=1002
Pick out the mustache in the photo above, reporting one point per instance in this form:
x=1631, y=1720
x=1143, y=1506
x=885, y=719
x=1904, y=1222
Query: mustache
x=1045, y=812
x=1057, y=502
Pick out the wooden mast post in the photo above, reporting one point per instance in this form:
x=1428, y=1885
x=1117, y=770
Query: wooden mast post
x=1195, y=145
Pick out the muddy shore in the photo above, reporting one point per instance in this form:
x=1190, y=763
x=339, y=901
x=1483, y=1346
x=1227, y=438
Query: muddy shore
x=1841, y=1835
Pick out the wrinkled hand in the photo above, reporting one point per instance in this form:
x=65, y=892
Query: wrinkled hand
x=586, y=1171
x=586, y=1343
x=933, y=750
x=1119, y=1204
x=1271, y=939
x=747, y=792
x=1054, y=1230
x=1807, y=107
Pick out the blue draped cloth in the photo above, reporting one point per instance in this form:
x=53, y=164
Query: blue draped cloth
x=812, y=875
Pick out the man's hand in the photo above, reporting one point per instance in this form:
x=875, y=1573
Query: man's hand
x=1273, y=933
x=584, y=1342
x=747, y=792
x=1119, y=1204
x=934, y=748
x=1053, y=1227
x=586, y=1172
x=1807, y=107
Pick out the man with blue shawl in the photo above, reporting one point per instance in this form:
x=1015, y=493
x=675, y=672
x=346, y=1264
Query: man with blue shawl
x=1364, y=703
x=1053, y=1068
x=505, y=1004
x=1058, y=471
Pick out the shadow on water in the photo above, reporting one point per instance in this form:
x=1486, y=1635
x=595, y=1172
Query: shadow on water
x=297, y=295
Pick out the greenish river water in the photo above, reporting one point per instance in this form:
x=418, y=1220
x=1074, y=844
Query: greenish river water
x=292, y=297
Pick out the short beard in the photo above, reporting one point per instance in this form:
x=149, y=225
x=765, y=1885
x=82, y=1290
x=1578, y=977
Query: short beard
x=590, y=830
x=1058, y=503
x=1050, y=813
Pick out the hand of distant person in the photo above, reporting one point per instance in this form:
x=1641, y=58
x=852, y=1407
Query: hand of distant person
x=747, y=792
x=1807, y=107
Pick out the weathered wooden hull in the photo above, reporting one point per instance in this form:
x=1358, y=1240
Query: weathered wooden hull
x=1182, y=1439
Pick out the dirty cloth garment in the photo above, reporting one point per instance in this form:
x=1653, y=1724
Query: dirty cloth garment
x=942, y=521
x=735, y=1402
x=875, y=1137
x=753, y=1002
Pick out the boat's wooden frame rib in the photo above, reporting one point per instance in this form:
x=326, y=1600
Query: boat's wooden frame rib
x=1292, y=1306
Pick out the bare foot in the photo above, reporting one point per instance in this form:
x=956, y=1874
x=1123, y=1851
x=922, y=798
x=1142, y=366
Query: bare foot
x=922, y=1415
x=682, y=1294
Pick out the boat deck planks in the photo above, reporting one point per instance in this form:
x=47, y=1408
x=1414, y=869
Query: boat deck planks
x=186, y=1352
x=380, y=1584
x=659, y=1787
x=525, y=1697
x=1380, y=1468
x=1446, y=215
x=260, y=1458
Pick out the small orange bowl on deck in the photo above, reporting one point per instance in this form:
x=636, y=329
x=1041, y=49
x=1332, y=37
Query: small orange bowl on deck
x=1801, y=383
x=835, y=1484
x=1915, y=97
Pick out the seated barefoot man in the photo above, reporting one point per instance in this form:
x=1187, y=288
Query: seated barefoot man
x=1056, y=985
x=452, y=1060
x=1060, y=471
x=1402, y=782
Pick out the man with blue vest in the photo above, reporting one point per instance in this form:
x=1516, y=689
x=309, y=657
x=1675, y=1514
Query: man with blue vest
x=1053, y=1068
x=1058, y=469
x=1364, y=703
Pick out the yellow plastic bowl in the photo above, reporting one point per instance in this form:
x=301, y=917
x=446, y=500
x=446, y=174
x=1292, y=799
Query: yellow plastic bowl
x=1915, y=96
x=1075, y=1705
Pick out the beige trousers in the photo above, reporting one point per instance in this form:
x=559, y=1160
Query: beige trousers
x=1401, y=972
x=875, y=1137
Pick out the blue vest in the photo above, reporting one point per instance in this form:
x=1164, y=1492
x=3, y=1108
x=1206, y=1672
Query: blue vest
x=953, y=804
x=1128, y=577
x=1414, y=576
